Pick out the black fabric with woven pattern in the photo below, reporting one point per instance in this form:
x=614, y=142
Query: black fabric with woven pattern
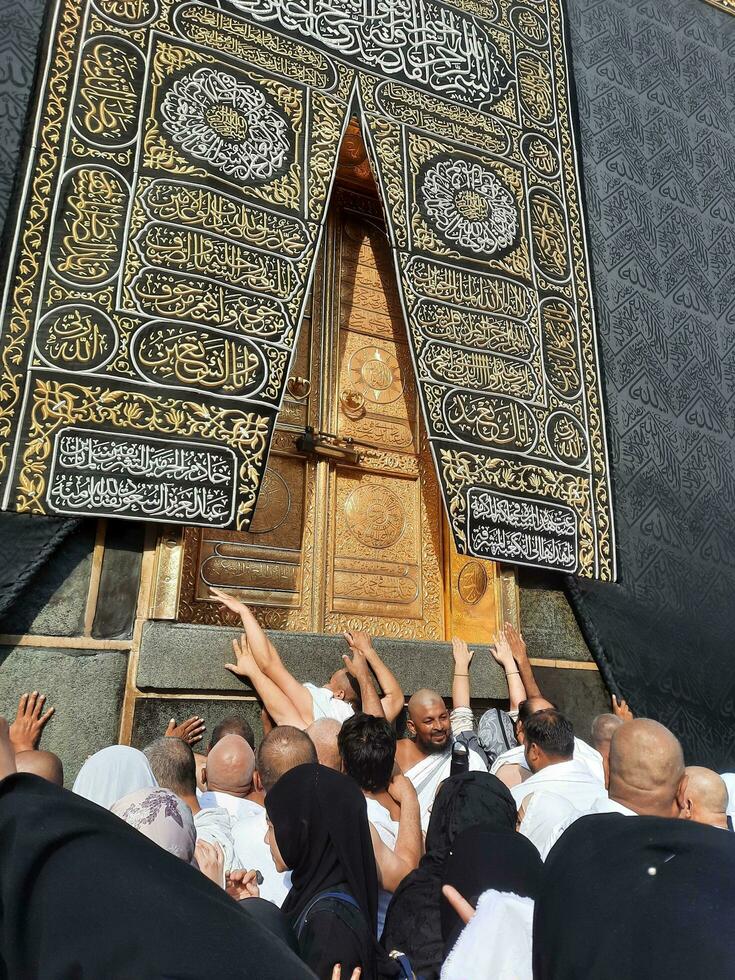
x=655, y=83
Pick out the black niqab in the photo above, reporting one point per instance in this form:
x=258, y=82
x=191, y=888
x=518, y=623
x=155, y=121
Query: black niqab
x=413, y=920
x=636, y=897
x=82, y=894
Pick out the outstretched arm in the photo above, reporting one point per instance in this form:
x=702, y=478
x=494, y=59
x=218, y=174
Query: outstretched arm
x=392, y=699
x=502, y=652
x=267, y=658
x=278, y=706
x=357, y=665
x=461, y=677
x=518, y=646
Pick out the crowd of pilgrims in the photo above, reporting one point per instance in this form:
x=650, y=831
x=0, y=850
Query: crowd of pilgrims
x=467, y=850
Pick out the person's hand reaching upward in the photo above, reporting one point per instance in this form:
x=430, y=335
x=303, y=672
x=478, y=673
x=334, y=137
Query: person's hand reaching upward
x=25, y=732
x=245, y=664
x=462, y=656
x=190, y=731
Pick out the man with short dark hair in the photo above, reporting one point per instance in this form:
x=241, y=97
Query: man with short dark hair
x=549, y=750
x=232, y=725
x=282, y=749
x=367, y=748
x=173, y=765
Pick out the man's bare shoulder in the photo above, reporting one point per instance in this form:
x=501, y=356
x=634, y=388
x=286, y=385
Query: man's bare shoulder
x=407, y=754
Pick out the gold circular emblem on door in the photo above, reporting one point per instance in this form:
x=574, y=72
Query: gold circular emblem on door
x=472, y=582
x=375, y=515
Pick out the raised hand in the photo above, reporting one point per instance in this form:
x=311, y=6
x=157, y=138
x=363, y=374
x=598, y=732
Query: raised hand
x=190, y=731
x=516, y=641
x=245, y=661
x=25, y=732
x=233, y=604
x=242, y=884
x=211, y=861
x=621, y=709
x=357, y=664
x=359, y=640
x=501, y=649
x=462, y=655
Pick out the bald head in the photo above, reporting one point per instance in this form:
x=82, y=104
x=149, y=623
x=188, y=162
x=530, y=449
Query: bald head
x=283, y=749
x=230, y=766
x=705, y=797
x=428, y=721
x=425, y=698
x=603, y=729
x=40, y=763
x=646, y=768
x=323, y=733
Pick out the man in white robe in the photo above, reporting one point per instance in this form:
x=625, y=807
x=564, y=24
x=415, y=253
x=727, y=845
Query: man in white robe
x=549, y=751
x=511, y=766
x=426, y=758
x=173, y=765
x=646, y=777
x=228, y=777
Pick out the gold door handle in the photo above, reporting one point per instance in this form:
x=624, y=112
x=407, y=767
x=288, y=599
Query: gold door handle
x=298, y=388
x=353, y=403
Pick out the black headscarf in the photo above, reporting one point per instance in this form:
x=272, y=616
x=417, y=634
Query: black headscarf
x=482, y=859
x=320, y=820
x=413, y=920
x=636, y=897
x=83, y=894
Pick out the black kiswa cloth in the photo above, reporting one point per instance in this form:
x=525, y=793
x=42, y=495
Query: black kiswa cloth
x=413, y=922
x=85, y=896
x=636, y=898
x=319, y=818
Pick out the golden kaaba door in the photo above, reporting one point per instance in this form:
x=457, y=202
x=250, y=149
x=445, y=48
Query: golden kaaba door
x=348, y=532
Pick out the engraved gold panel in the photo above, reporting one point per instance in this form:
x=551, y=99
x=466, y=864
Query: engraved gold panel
x=334, y=546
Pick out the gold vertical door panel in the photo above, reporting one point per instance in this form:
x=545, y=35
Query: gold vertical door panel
x=384, y=552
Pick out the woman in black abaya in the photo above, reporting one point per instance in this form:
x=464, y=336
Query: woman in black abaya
x=319, y=830
x=413, y=924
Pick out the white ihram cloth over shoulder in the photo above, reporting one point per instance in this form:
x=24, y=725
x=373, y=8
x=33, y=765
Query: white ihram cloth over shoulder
x=544, y=813
x=253, y=854
x=497, y=942
x=326, y=705
x=430, y=772
x=572, y=780
x=582, y=753
x=214, y=824
x=387, y=829
x=235, y=806
x=112, y=773
x=602, y=804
